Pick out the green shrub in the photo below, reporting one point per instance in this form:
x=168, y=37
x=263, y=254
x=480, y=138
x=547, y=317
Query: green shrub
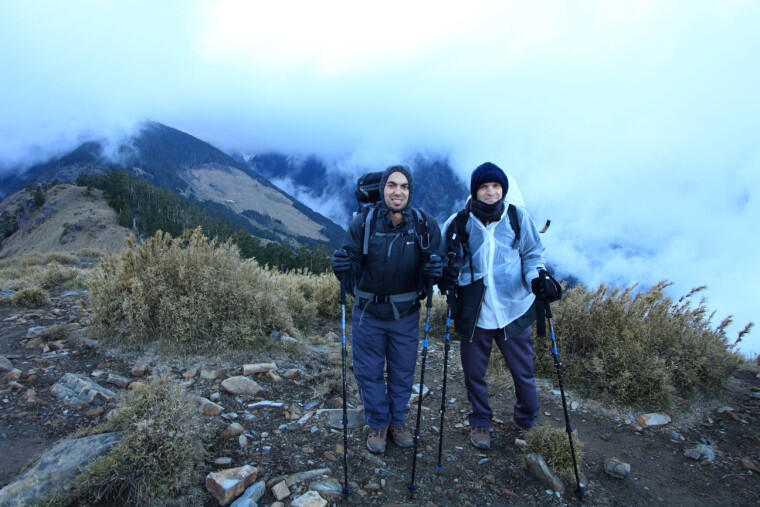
x=187, y=293
x=31, y=297
x=636, y=349
x=160, y=457
x=552, y=443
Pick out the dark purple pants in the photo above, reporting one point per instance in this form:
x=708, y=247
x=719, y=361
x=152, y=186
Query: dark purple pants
x=518, y=353
x=378, y=345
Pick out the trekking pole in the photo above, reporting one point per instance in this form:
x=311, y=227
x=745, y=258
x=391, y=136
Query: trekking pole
x=580, y=491
x=343, y=355
x=446, y=348
x=428, y=306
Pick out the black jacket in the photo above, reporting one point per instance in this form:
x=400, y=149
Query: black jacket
x=393, y=264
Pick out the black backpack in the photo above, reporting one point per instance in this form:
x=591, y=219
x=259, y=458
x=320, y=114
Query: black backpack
x=368, y=195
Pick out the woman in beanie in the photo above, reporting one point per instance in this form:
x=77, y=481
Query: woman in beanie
x=495, y=259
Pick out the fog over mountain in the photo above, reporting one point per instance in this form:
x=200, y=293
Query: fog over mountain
x=632, y=126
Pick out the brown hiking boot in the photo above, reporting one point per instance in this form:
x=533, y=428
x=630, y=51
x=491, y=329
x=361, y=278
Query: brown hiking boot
x=479, y=437
x=401, y=435
x=376, y=439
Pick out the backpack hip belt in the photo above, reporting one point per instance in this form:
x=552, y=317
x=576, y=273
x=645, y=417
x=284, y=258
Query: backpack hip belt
x=392, y=299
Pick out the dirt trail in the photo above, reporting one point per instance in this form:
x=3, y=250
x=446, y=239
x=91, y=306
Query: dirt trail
x=660, y=473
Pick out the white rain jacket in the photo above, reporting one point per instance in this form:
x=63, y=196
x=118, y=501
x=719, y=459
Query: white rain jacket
x=507, y=271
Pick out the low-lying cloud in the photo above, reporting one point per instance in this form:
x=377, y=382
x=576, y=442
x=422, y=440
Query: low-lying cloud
x=633, y=127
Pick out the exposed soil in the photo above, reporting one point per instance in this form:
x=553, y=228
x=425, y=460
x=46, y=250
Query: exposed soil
x=660, y=473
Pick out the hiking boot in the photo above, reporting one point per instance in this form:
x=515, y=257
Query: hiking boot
x=479, y=437
x=401, y=435
x=376, y=439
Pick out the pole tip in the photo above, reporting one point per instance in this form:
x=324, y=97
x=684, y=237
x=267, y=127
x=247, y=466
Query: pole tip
x=439, y=468
x=345, y=491
x=581, y=491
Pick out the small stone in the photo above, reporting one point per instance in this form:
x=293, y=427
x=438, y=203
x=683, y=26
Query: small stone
x=574, y=405
x=188, y=374
x=617, y=468
x=522, y=444
x=243, y=441
x=13, y=374
x=241, y=385
x=223, y=461
x=117, y=380
x=280, y=490
x=210, y=374
x=692, y=454
x=136, y=385
x=355, y=418
x=210, y=408
x=140, y=368
x=5, y=364
x=273, y=376
x=291, y=373
x=232, y=430
x=251, y=369
x=215, y=397
x=266, y=404
x=251, y=495
x=97, y=373
x=541, y=471
x=329, y=488
x=483, y=461
x=749, y=465
x=653, y=420
x=309, y=499
x=329, y=456
x=94, y=412
x=226, y=485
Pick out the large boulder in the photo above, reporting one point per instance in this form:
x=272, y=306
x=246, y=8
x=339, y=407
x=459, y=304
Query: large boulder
x=56, y=469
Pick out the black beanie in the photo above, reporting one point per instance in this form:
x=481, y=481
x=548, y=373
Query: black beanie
x=485, y=173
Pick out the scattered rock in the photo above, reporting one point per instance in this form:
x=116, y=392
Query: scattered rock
x=355, y=418
x=188, y=374
x=76, y=389
x=56, y=469
x=35, y=331
x=309, y=499
x=12, y=375
x=251, y=496
x=692, y=454
x=305, y=418
x=209, y=374
x=749, y=465
x=330, y=488
x=288, y=339
x=617, y=468
x=208, y=407
x=243, y=441
x=232, y=430
x=272, y=375
x=223, y=461
x=540, y=470
x=94, y=412
x=280, y=490
x=522, y=444
x=241, y=385
x=291, y=373
x=226, y=485
x=140, y=368
x=5, y=364
x=117, y=380
x=653, y=420
x=251, y=369
x=295, y=478
x=266, y=404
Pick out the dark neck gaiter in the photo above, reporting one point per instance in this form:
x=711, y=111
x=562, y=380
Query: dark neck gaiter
x=487, y=213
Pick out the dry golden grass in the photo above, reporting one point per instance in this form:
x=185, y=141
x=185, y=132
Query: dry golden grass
x=37, y=270
x=30, y=297
x=159, y=459
x=636, y=349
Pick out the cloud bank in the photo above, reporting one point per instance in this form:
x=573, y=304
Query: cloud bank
x=634, y=127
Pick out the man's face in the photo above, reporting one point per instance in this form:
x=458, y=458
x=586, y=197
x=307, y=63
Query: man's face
x=489, y=192
x=396, y=191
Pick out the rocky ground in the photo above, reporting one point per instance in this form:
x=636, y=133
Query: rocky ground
x=706, y=455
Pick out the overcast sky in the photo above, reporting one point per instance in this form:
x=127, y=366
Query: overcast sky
x=634, y=126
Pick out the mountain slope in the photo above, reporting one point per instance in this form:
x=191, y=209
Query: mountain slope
x=437, y=190
x=71, y=219
x=181, y=163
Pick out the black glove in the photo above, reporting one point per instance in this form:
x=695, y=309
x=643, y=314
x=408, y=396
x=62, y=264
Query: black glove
x=432, y=269
x=545, y=287
x=341, y=262
x=450, y=277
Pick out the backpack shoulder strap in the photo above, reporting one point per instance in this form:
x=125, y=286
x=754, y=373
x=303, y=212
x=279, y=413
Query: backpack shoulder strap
x=514, y=223
x=369, y=214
